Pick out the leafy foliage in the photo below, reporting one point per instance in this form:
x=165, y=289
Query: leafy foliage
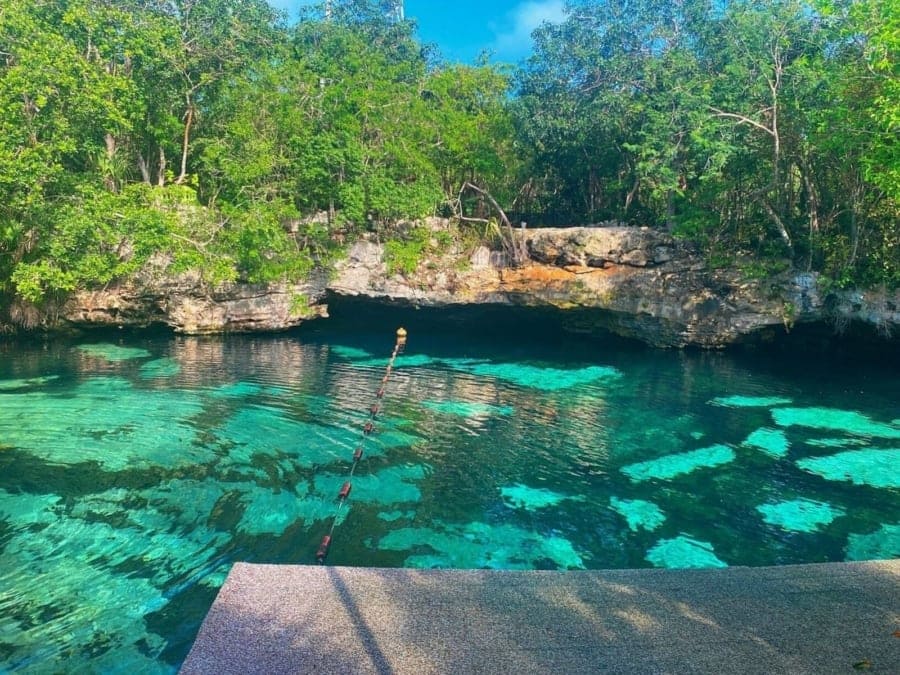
x=745, y=126
x=212, y=135
x=403, y=254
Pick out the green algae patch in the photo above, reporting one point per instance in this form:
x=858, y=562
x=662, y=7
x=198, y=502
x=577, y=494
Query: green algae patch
x=467, y=409
x=639, y=514
x=112, y=352
x=393, y=485
x=26, y=383
x=772, y=442
x=546, y=379
x=833, y=419
x=160, y=368
x=480, y=545
x=750, y=401
x=411, y=361
x=800, y=515
x=25, y=509
x=393, y=516
x=263, y=430
x=883, y=544
x=81, y=569
x=349, y=353
x=670, y=466
x=237, y=390
x=390, y=436
x=875, y=467
x=462, y=363
x=683, y=552
x=835, y=442
x=107, y=421
x=246, y=390
x=268, y=512
x=520, y=496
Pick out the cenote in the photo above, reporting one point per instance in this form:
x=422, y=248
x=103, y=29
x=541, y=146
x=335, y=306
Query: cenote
x=136, y=468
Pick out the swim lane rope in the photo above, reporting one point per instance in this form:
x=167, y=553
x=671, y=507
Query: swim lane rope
x=367, y=430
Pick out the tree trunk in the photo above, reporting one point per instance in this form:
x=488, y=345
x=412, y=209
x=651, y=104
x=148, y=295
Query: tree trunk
x=188, y=120
x=779, y=224
x=109, y=178
x=515, y=247
x=161, y=175
x=144, y=169
x=812, y=206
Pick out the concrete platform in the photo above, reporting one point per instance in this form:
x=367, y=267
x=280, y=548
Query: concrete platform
x=817, y=619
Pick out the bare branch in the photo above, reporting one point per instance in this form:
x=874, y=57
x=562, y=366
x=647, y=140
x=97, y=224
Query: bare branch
x=515, y=247
x=742, y=119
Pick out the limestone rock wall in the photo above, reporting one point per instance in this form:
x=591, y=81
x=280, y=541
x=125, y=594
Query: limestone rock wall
x=187, y=305
x=635, y=282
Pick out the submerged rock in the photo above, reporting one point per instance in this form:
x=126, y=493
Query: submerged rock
x=799, y=515
x=883, y=544
x=520, y=496
x=875, y=467
x=639, y=514
x=670, y=466
x=772, y=442
x=478, y=545
x=683, y=552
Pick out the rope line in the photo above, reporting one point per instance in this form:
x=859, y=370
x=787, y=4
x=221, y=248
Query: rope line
x=367, y=430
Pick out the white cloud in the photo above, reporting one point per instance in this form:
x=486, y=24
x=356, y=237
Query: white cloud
x=513, y=40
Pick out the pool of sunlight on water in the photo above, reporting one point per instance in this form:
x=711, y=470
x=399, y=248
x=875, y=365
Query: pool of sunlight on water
x=135, y=469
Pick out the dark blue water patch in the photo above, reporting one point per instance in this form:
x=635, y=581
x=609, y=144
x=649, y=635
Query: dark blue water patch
x=148, y=474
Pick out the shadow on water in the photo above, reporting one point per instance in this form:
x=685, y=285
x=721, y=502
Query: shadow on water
x=511, y=328
x=816, y=345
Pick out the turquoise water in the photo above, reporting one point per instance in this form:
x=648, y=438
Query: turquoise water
x=134, y=470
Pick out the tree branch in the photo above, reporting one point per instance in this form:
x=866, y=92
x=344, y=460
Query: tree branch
x=742, y=119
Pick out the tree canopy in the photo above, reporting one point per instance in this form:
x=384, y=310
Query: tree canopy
x=210, y=132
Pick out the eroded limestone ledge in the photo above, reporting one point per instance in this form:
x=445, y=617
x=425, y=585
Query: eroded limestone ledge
x=635, y=282
x=183, y=302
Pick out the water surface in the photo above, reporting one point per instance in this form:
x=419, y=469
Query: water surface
x=134, y=470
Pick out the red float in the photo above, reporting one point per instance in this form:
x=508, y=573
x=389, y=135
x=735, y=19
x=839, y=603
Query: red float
x=322, y=553
x=345, y=490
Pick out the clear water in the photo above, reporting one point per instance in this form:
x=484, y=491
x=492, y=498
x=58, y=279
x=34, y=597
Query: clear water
x=134, y=470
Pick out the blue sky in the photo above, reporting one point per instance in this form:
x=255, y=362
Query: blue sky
x=463, y=28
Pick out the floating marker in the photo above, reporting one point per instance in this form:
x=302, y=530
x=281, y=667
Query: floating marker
x=368, y=428
x=322, y=553
x=345, y=490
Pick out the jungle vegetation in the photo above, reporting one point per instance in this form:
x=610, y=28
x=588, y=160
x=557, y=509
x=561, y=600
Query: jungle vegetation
x=217, y=135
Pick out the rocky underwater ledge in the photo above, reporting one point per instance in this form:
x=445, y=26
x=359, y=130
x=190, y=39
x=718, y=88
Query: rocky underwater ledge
x=633, y=282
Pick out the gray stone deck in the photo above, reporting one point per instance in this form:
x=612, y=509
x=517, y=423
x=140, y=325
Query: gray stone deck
x=816, y=619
